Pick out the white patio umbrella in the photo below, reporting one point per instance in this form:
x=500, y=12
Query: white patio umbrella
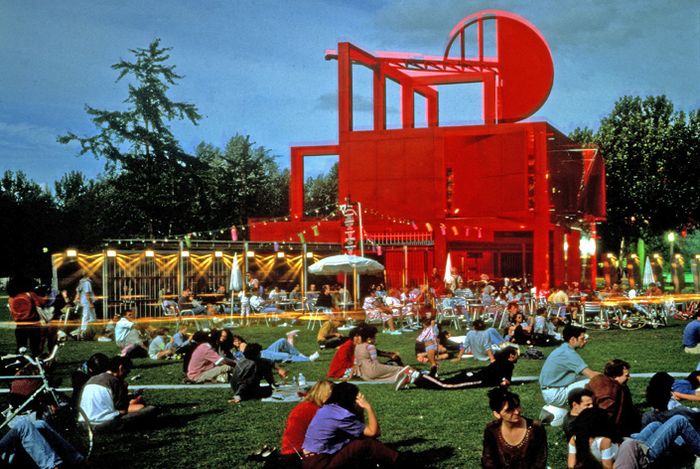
x=648, y=277
x=345, y=263
x=447, y=278
x=235, y=283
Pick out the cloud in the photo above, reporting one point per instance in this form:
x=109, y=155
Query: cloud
x=22, y=135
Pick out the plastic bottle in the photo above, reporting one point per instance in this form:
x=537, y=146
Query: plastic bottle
x=302, y=380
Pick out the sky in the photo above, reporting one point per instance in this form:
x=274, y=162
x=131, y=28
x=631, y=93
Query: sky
x=257, y=68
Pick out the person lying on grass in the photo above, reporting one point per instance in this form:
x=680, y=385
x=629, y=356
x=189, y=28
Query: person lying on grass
x=497, y=373
x=298, y=422
x=283, y=350
x=339, y=437
x=248, y=372
x=512, y=440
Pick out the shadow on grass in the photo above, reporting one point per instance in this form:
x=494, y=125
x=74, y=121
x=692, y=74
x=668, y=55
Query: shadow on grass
x=432, y=457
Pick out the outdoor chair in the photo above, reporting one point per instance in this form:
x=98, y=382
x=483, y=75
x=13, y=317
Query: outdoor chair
x=447, y=313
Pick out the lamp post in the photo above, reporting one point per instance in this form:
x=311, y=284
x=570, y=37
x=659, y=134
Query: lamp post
x=671, y=239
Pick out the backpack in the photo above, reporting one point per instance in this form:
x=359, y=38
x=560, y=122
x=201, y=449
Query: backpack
x=533, y=354
x=23, y=308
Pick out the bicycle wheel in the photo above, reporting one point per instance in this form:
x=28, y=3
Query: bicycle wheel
x=632, y=320
x=64, y=418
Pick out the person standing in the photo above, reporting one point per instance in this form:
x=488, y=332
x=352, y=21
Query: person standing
x=86, y=298
x=23, y=303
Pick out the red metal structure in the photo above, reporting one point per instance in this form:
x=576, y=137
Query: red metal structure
x=503, y=197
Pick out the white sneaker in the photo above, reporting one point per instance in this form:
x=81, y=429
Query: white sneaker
x=314, y=356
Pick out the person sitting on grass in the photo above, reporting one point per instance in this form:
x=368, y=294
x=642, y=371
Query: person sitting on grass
x=283, y=350
x=543, y=331
x=298, y=422
x=33, y=443
x=448, y=349
x=160, y=347
x=339, y=437
x=480, y=340
x=593, y=443
x=664, y=405
x=613, y=396
x=106, y=402
x=512, y=440
x=181, y=340
x=129, y=338
x=328, y=335
x=224, y=342
x=248, y=372
x=579, y=400
x=691, y=335
x=368, y=367
x=93, y=366
x=342, y=363
x=519, y=331
x=563, y=367
x=497, y=373
x=203, y=363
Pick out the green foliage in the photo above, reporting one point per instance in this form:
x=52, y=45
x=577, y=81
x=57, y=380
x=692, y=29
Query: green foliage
x=242, y=181
x=651, y=159
x=321, y=192
x=28, y=219
x=151, y=173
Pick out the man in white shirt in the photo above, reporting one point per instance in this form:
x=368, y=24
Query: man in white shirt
x=106, y=402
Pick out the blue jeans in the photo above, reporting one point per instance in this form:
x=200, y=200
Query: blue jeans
x=43, y=445
x=282, y=351
x=659, y=436
x=494, y=336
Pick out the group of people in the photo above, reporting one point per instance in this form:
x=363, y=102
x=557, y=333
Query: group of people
x=335, y=425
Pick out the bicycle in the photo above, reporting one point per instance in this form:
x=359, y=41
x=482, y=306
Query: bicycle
x=46, y=401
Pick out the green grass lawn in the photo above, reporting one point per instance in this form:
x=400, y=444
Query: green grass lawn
x=198, y=428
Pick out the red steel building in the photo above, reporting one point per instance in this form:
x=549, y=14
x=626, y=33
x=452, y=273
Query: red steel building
x=506, y=198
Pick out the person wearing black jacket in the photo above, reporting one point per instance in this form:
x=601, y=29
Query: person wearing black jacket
x=497, y=373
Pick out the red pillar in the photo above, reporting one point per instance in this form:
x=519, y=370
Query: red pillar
x=379, y=97
x=407, y=105
x=344, y=88
x=540, y=251
x=296, y=184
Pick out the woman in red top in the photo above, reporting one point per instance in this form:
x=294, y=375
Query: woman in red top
x=299, y=419
x=344, y=358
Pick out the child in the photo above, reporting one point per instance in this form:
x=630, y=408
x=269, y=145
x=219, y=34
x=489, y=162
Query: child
x=429, y=338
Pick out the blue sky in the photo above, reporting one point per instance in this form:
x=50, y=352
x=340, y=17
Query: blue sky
x=257, y=67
